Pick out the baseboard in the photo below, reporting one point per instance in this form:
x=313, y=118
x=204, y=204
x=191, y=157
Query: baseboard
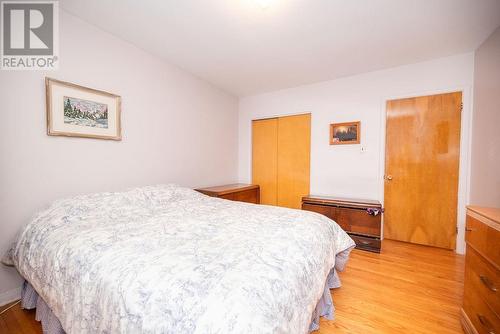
x=10, y=296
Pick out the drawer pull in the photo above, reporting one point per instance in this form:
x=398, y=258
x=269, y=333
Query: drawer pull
x=485, y=323
x=469, y=229
x=363, y=242
x=486, y=281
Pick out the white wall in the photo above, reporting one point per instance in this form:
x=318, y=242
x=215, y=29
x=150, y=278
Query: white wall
x=176, y=128
x=345, y=170
x=485, y=161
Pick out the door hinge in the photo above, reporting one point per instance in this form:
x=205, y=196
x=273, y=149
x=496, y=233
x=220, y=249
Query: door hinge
x=461, y=106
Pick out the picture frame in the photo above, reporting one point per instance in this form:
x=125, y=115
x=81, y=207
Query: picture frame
x=78, y=111
x=345, y=133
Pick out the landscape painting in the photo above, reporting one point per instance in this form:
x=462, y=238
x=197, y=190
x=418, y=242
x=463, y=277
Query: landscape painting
x=78, y=111
x=345, y=133
x=85, y=113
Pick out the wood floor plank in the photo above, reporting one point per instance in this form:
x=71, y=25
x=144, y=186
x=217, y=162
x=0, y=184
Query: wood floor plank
x=12, y=325
x=25, y=320
x=3, y=327
x=405, y=289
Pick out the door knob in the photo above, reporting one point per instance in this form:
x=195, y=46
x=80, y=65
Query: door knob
x=389, y=177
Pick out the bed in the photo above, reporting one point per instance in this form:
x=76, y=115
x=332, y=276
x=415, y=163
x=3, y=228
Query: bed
x=166, y=259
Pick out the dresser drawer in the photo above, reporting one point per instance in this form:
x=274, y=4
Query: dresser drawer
x=482, y=278
x=323, y=209
x=328, y=211
x=357, y=220
x=480, y=314
x=366, y=243
x=227, y=196
x=484, y=239
x=249, y=196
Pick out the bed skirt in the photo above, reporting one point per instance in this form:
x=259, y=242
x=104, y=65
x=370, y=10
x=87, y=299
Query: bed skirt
x=51, y=325
x=31, y=300
x=325, y=307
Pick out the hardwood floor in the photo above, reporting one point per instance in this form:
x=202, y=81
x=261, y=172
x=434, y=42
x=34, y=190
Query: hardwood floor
x=18, y=321
x=405, y=289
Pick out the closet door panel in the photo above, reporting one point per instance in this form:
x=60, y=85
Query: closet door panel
x=265, y=158
x=294, y=146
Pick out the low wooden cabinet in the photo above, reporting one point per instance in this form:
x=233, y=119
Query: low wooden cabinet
x=481, y=305
x=240, y=192
x=361, y=219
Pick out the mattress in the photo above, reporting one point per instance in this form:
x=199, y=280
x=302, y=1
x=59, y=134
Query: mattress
x=166, y=259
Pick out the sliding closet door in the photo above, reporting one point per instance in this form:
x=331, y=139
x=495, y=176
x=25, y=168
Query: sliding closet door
x=294, y=151
x=265, y=158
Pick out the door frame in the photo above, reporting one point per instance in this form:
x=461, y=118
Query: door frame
x=465, y=153
x=282, y=115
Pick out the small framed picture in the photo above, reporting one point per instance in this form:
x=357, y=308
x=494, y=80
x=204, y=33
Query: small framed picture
x=78, y=111
x=345, y=133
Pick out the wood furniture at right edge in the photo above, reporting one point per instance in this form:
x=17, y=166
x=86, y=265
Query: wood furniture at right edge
x=353, y=216
x=481, y=307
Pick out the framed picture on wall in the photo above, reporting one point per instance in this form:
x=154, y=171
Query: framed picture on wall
x=345, y=133
x=78, y=111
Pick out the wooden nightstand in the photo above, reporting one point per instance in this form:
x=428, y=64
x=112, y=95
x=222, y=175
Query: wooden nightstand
x=241, y=192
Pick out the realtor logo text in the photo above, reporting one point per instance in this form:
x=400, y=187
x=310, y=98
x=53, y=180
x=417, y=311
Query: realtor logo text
x=29, y=36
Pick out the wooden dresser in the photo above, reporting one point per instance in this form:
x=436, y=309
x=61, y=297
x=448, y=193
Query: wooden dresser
x=353, y=216
x=481, y=305
x=241, y=192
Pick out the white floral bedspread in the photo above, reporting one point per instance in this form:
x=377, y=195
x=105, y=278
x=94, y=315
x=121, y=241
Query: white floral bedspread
x=166, y=259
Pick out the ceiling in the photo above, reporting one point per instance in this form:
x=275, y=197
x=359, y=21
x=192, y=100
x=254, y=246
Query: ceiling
x=245, y=49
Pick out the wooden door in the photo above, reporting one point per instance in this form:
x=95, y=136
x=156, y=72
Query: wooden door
x=421, y=169
x=294, y=150
x=265, y=158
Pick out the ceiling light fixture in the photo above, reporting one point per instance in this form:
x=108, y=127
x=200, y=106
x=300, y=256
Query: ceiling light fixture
x=264, y=4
